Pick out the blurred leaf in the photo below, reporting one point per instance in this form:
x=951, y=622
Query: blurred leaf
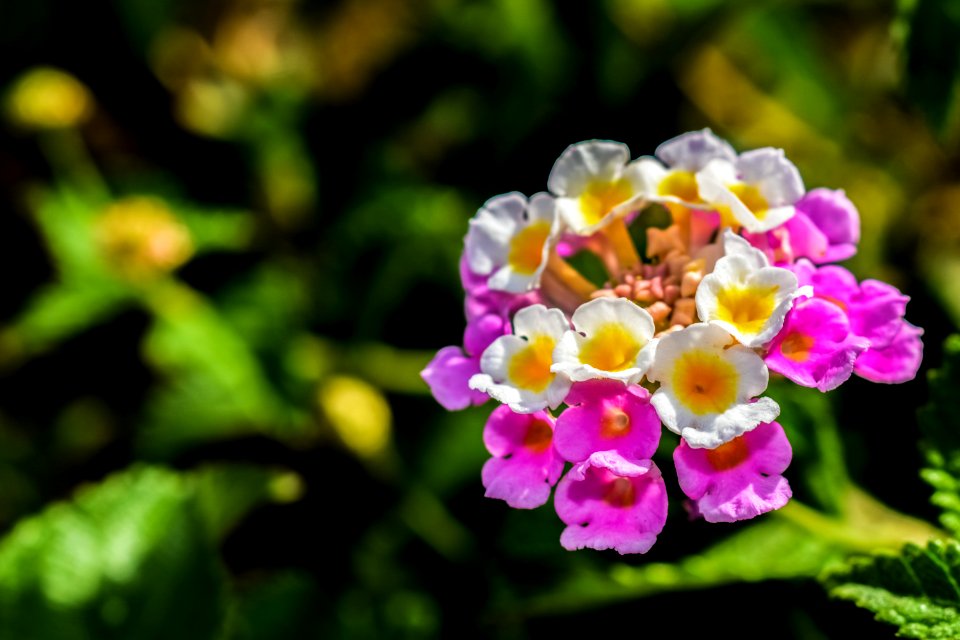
x=58, y=312
x=115, y=563
x=65, y=218
x=266, y=306
x=216, y=229
x=940, y=425
x=284, y=606
x=131, y=557
x=915, y=589
x=933, y=59
x=212, y=377
x=773, y=549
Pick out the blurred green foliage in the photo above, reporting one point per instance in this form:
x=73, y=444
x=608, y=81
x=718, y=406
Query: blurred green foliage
x=231, y=239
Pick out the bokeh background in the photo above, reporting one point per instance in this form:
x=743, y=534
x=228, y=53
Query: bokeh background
x=229, y=234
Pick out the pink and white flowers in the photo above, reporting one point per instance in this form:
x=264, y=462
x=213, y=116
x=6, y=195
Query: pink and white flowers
x=683, y=335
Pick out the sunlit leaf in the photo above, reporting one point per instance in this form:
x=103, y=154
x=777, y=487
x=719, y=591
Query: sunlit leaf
x=127, y=558
x=773, y=549
x=940, y=424
x=915, y=589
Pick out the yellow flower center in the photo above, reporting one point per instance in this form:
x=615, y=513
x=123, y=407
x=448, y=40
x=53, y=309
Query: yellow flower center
x=538, y=437
x=620, y=493
x=611, y=348
x=797, y=346
x=728, y=455
x=526, y=248
x=530, y=367
x=704, y=382
x=680, y=184
x=601, y=196
x=614, y=423
x=746, y=307
x=752, y=199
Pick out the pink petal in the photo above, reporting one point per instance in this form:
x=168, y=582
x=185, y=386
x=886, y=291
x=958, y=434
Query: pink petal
x=609, y=502
x=876, y=312
x=447, y=376
x=525, y=464
x=835, y=216
x=806, y=240
x=744, y=481
x=606, y=415
x=815, y=348
x=483, y=330
x=897, y=362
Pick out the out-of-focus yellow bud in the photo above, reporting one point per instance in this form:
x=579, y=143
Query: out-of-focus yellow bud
x=359, y=414
x=140, y=238
x=47, y=98
x=286, y=487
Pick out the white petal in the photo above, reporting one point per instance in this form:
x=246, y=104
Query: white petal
x=537, y=319
x=650, y=174
x=488, y=240
x=596, y=313
x=735, y=245
x=585, y=162
x=776, y=177
x=692, y=151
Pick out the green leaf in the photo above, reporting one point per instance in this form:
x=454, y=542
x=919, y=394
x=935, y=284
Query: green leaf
x=134, y=556
x=213, y=377
x=940, y=426
x=57, y=312
x=773, y=549
x=916, y=589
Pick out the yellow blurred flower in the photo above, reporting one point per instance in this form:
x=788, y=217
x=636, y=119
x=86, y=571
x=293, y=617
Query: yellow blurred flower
x=140, y=238
x=47, y=98
x=358, y=413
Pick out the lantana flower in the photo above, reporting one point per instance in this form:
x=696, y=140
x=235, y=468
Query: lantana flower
x=682, y=334
x=516, y=368
x=594, y=181
x=611, y=338
x=708, y=386
x=605, y=415
x=757, y=191
x=737, y=480
x=875, y=311
x=609, y=502
x=824, y=229
x=525, y=465
x=745, y=295
x=816, y=347
x=448, y=374
x=671, y=176
x=510, y=240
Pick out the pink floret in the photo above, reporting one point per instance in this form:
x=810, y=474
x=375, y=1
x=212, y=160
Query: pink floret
x=609, y=502
x=740, y=479
x=898, y=362
x=815, y=348
x=525, y=465
x=606, y=415
x=824, y=228
x=450, y=370
x=836, y=219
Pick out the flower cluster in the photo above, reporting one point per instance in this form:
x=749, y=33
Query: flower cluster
x=684, y=334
